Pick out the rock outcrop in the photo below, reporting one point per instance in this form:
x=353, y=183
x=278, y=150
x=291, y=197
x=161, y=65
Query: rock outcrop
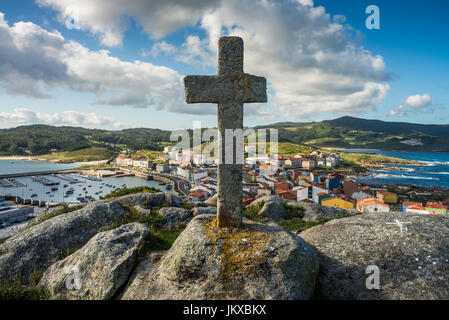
x=35, y=248
x=149, y=200
x=271, y=207
x=315, y=212
x=260, y=261
x=99, y=268
x=277, y=209
x=174, y=215
x=413, y=264
x=206, y=210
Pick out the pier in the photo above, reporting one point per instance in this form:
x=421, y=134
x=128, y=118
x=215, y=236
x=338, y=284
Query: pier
x=68, y=179
x=11, y=183
x=44, y=181
x=40, y=173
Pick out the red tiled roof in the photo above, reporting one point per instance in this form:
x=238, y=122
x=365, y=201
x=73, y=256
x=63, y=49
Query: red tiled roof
x=197, y=193
x=435, y=205
x=416, y=208
x=370, y=201
x=384, y=192
x=410, y=204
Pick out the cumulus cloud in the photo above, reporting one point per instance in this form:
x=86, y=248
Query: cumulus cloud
x=30, y=58
x=21, y=116
x=109, y=19
x=398, y=112
x=33, y=60
x=310, y=63
x=419, y=101
x=160, y=47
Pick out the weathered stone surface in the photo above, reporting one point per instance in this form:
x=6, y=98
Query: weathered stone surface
x=272, y=207
x=142, y=210
x=174, y=215
x=34, y=249
x=137, y=288
x=205, y=210
x=314, y=212
x=413, y=264
x=101, y=267
x=230, y=89
x=260, y=261
x=243, y=88
x=148, y=200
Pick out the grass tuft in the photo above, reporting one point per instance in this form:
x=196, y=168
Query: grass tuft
x=252, y=211
x=15, y=290
x=127, y=191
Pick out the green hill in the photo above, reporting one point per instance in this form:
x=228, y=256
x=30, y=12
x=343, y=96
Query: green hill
x=41, y=139
x=345, y=132
x=350, y=132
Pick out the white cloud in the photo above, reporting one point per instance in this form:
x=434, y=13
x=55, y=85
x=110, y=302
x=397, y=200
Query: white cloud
x=398, y=112
x=195, y=51
x=418, y=101
x=306, y=56
x=306, y=2
x=22, y=116
x=308, y=60
x=160, y=47
x=34, y=61
x=109, y=19
x=30, y=58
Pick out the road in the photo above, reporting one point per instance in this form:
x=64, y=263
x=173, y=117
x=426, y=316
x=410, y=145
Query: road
x=15, y=227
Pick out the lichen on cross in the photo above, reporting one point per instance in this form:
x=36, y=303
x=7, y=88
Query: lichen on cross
x=230, y=89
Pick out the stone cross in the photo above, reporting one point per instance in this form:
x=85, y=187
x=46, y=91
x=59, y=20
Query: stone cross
x=230, y=89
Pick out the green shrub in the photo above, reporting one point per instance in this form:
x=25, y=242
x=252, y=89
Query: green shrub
x=15, y=290
x=126, y=191
x=64, y=254
x=292, y=211
x=153, y=221
x=164, y=239
x=252, y=211
x=187, y=205
x=3, y=240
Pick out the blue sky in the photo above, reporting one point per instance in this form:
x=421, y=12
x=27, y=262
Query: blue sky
x=322, y=62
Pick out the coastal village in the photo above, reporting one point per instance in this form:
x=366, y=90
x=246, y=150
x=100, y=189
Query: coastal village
x=296, y=178
x=313, y=178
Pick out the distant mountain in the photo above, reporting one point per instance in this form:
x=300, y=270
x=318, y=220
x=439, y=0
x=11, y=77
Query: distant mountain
x=345, y=132
x=350, y=132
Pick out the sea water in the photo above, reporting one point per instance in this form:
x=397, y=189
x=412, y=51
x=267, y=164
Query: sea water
x=432, y=170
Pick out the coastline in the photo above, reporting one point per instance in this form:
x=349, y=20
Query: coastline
x=31, y=158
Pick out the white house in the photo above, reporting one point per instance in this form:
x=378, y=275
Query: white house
x=185, y=172
x=142, y=163
x=162, y=167
x=302, y=193
x=129, y=162
x=316, y=190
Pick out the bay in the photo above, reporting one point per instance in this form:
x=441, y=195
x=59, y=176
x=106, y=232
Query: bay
x=85, y=186
x=432, y=171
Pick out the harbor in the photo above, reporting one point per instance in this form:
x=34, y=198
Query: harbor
x=71, y=187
